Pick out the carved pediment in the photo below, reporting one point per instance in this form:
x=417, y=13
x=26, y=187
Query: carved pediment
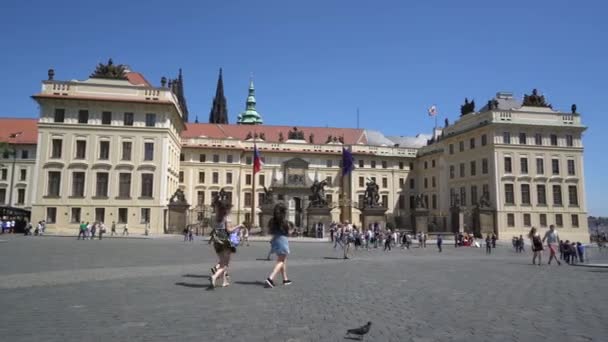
x=296, y=163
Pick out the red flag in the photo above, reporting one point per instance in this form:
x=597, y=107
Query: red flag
x=257, y=160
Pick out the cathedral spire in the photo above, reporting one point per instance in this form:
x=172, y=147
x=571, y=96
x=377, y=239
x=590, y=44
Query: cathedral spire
x=219, y=110
x=250, y=116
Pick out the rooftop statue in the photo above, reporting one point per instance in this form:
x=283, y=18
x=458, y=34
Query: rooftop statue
x=110, y=71
x=535, y=100
x=371, y=196
x=467, y=107
x=178, y=197
x=573, y=108
x=295, y=134
x=318, y=194
x=281, y=137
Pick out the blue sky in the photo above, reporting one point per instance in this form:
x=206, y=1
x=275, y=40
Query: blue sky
x=316, y=62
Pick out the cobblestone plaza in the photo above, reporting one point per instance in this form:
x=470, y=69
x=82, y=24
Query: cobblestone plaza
x=60, y=289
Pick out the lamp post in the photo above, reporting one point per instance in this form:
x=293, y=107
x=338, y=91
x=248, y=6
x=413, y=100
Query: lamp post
x=14, y=152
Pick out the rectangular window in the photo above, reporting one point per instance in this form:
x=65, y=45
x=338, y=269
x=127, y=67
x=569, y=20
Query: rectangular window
x=25, y=154
x=248, y=199
x=543, y=220
x=56, y=148
x=150, y=120
x=509, y=195
x=81, y=148
x=508, y=167
x=149, y=151
x=412, y=183
x=553, y=140
x=4, y=174
x=434, y=182
x=434, y=200
x=569, y=140
x=181, y=176
x=538, y=139
x=127, y=119
x=229, y=159
x=100, y=214
x=106, y=118
x=472, y=143
x=22, y=174
x=484, y=140
x=511, y=220
x=426, y=164
x=426, y=182
x=54, y=184
x=572, y=195
x=527, y=220
x=373, y=164
x=51, y=215
x=124, y=185
x=362, y=182
x=462, y=170
x=182, y=157
x=83, y=116
x=145, y=215
x=101, y=189
x=216, y=159
x=401, y=165
x=247, y=179
x=474, y=194
x=523, y=165
x=20, y=196
x=555, y=166
x=411, y=166
x=473, y=168
x=401, y=202
x=78, y=184
x=540, y=166
x=557, y=195
x=484, y=166
x=384, y=164
x=104, y=150
x=571, y=169
x=559, y=220
x=541, y=194
x=261, y=198
x=522, y=139
x=452, y=171
x=463, y=196
x=123, y=215
x=401, y=182
x=485, y=190
x=461, y=146
x=506, y=138
x=201, y=177
x=126, y=150
x=215, y=178
x=361, y=163
x=59, y=115
x=385, y=201
x=451, y=148
x=75, y=215
x=228, y=177
x=202, y=158
x=6, y=154
x=147, y=182
x=433, y=163
x=452, y=196
x=200, y=198
x=574, y=220
x=525, y=194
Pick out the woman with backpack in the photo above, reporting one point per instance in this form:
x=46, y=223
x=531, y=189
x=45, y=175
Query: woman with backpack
x=221, y=237
x=537, y=245
x=279, y=228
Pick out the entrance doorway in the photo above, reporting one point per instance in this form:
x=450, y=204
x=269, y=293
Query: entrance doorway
x=298, y=206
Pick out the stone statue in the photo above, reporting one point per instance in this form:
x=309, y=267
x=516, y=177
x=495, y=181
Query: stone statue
x=249, y=136
x=178, y=197
x=281, y=138
x=446, y=122
x=311, y=138
x=535, y=100
x=484, y=201
x=268, y=196
x=220, y=198
x=467, y=107
x=318, y=194
x=371, y=195
x=110, y=71
x=573, y=108
x=263, y=136
x=295, y=134
x=420, y=201
x=341, y=139
x=329, y=137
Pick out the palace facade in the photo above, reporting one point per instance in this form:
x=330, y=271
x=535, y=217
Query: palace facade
x=115, y=148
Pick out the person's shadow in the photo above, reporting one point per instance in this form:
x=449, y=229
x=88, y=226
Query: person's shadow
x=257, y=282
x=195, y=276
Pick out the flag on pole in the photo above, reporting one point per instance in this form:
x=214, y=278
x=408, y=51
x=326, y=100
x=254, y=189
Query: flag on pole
x=433, y=110
x=257, y=160
x=348, y=165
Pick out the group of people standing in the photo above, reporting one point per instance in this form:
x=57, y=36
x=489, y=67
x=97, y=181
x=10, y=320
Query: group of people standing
x=88, y=231
x=568, y=252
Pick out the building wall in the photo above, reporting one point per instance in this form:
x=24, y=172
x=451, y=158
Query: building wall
x=24, y=163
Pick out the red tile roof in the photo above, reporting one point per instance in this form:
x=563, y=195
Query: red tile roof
x=27, y=126
x=352, y=136
x=136, y=78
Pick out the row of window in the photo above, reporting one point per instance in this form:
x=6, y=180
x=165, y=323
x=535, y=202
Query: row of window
x=541, y=195
x=542, y=220
x=472, y=143
x=426, y=164
x=538, y=139
x=215, y=178
x=540, y=166
x=100, y=215
x=20, y=196
x=102, y=180
x=25, y=154
x=106, y=117
x=4, y=174
x=104, y=150
x=383, y=185
x=383, y=163
x=459, y=196
x=472, y=168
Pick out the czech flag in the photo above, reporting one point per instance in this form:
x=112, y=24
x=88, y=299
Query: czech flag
x=257, y=160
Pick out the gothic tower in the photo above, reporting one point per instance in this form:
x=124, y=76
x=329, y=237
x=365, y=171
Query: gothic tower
x=219, y=111
x=250, y=116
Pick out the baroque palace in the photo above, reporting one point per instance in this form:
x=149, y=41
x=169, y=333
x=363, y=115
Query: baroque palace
x=115, y=148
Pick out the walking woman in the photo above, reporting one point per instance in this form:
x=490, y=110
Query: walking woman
x=221, y=241
x=348, y=239
x=537, y=245
x=279, y=228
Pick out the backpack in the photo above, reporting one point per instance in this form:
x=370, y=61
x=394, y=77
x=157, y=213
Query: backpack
x=235, y=238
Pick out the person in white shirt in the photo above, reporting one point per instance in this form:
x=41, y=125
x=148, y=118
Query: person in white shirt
x=552, y=242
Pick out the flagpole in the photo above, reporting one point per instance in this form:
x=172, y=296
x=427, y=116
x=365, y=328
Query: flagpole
x=252, y=219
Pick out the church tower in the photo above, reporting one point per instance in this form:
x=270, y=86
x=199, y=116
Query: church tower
x=219, y=111
x=250, y=116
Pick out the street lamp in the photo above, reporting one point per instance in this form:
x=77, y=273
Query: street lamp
x=10, y=191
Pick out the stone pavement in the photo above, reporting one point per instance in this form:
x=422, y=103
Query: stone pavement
x=156, y=290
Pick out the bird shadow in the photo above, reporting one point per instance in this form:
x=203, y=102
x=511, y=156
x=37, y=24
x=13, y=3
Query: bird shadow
x=195, y=276
x=257, y=282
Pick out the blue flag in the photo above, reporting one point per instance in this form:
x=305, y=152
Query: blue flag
x=348, y=164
